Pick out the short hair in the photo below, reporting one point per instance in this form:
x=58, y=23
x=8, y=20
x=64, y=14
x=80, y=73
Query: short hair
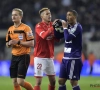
x=19, y=10
x=74, y=13
x=43, y=9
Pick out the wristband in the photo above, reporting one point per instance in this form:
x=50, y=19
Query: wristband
x=65, y=28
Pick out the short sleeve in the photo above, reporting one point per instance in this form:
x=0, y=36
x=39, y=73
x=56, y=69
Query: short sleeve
x=29, y=33
x=8, y=38
x=39, y=30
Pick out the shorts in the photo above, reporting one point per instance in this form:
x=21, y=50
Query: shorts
x=43, y=65
x=19, y=66
x=70, y=69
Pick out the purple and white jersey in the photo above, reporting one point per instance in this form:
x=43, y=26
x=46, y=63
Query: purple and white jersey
x=73, y=42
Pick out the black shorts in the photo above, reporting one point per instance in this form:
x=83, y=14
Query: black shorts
x=19, y=66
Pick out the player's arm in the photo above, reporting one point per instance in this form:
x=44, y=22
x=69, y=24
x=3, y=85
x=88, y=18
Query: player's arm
x=29, y=38
x=72, y=34
x=8, y=45
x=27, y=43
x=18, y=42
x=8, y=38
x=42, y=33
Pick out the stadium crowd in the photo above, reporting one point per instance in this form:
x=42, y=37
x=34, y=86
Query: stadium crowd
x=88, y=10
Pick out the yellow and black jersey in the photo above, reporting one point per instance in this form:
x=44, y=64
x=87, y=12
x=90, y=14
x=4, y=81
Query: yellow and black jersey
x=23, y=33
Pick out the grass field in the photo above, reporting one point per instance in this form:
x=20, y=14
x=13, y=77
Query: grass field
x=6, y=83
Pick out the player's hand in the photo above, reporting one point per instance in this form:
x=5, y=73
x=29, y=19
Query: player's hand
x=13, y=42
x=64, y=23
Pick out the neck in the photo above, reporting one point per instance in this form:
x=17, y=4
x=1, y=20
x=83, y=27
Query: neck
x=73, y=23
x=16, y=24
x=47, y=22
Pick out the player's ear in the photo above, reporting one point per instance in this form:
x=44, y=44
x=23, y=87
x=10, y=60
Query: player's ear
x=75, y=17
x=41, y=15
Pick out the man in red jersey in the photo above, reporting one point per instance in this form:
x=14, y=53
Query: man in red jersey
x=44, y=50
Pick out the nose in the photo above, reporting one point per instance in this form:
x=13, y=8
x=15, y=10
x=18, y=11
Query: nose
x=12, y=16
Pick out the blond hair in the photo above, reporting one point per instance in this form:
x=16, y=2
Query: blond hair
x=43, y=9
x=19, y=10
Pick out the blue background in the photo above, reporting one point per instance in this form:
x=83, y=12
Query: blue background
x=4, y=68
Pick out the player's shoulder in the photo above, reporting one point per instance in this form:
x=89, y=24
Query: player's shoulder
x=11, y=28
x=40, y=24
x=25, y=25
x=79, y=27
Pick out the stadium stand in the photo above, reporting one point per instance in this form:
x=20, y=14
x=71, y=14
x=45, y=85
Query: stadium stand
x=88, y=10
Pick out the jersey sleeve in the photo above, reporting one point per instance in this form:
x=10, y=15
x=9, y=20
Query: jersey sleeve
x=8, y=38
x=29, y=34
x=73, y=32
x=42, y=33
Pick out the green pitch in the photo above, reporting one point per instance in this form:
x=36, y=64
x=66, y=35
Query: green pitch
x=6, y=83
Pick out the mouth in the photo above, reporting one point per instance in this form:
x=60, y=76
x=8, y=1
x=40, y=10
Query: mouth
x=13, y=19
x=49, y=19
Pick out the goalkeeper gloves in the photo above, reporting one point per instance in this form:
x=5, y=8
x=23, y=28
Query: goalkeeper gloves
x=58, y=26
x=58, y=23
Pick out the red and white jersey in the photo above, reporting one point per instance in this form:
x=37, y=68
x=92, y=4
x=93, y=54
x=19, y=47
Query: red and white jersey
x=44, y=36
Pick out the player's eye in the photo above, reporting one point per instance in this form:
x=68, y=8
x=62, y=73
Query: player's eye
x=47, y=14
x=70, y=15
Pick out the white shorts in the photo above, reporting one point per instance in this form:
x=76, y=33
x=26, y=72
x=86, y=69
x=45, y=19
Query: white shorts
x=43, y=65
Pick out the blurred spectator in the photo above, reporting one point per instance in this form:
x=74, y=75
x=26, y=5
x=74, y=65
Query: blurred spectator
x=2, y=48
x=91, y=58
x=66, y=2
x=96, y=36
x=88, y=11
